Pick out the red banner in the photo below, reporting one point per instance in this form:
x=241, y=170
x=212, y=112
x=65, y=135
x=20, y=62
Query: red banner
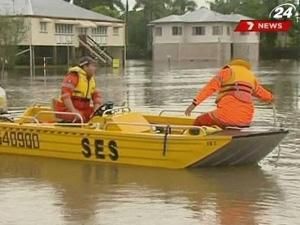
x=264, y=26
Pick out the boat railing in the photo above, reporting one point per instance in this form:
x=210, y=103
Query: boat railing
x=78, y=115
x=63, y=124
x=14, y=108
x=15, y=111
x=117, y=110
x=31, y=118
x=176, y=111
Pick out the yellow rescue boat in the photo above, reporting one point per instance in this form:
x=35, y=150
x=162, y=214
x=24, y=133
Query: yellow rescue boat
x=117, y=135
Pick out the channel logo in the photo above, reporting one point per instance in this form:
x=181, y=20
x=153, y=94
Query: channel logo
x=280, y=20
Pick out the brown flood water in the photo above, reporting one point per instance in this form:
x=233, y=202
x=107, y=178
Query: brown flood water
x=50, y=191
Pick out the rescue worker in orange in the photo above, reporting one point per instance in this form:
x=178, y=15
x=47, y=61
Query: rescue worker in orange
x=236, y=85
x=78, y=92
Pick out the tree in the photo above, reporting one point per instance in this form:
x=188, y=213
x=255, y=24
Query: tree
x=137, y=42
x=105, y=10
x=224, y=6
x=112, y=4
x=12, y=32
x=90, y=4
x=150, y=10
x=258, y=9
x=153, y=9
x=180, y=7
x=294, y=34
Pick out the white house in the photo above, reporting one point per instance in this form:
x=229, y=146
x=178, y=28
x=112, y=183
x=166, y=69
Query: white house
x=202, y=35
x=64, y=27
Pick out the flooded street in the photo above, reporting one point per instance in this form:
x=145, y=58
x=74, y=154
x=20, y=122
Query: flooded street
x=50, y=191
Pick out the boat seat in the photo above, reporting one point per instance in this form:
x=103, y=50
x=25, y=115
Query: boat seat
x=203, y=130
x=33, y=111
x=139, y=123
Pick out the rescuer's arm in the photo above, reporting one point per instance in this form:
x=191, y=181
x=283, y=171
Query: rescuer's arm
x=263, y=94
x=97, y=99
x=213, y=85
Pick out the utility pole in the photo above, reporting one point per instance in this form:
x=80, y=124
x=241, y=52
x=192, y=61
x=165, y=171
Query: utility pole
x=126, y=32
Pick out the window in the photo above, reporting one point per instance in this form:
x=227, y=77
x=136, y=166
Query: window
x=116, y=31
x=63, y=28
x=228, y=31
x=82, y=30
x=217, y=30
x=198, y=31
x=177, y=31
x=101, y=31
x=43, y=27
x=158, y=31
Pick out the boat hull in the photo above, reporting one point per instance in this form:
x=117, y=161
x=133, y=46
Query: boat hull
x=245, y=148
x=143, y=149
x=132, y=138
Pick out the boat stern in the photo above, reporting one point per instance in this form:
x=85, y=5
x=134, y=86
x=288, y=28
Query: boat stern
x=244, y=148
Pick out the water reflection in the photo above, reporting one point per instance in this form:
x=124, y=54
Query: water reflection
x=102, y=194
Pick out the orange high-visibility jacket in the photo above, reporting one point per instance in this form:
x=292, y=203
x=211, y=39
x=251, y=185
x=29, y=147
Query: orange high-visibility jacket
x=235, y=86
x=80, y=90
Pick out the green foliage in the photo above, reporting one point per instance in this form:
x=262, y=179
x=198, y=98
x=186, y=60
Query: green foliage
x=105, y=10
x=12, y=31
x=258, y=9
x=152, y=9
x=294, y=34
x=137, y=33
x=180, y=7
x=90, y=4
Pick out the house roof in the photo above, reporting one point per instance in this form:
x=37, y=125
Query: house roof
x=201, y=15
x=50, y=8
x=169, y=19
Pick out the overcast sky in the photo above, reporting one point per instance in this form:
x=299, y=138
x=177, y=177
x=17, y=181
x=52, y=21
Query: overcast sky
x=132, y=2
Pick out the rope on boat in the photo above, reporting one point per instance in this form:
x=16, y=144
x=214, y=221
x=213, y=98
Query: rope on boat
x=167, y=132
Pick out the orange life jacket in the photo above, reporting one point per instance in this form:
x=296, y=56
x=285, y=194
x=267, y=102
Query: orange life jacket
x=241, y=84
x=85, y=86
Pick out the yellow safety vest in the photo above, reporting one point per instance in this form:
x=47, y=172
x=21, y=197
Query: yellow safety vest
x=240, y=85
x=85, y=87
